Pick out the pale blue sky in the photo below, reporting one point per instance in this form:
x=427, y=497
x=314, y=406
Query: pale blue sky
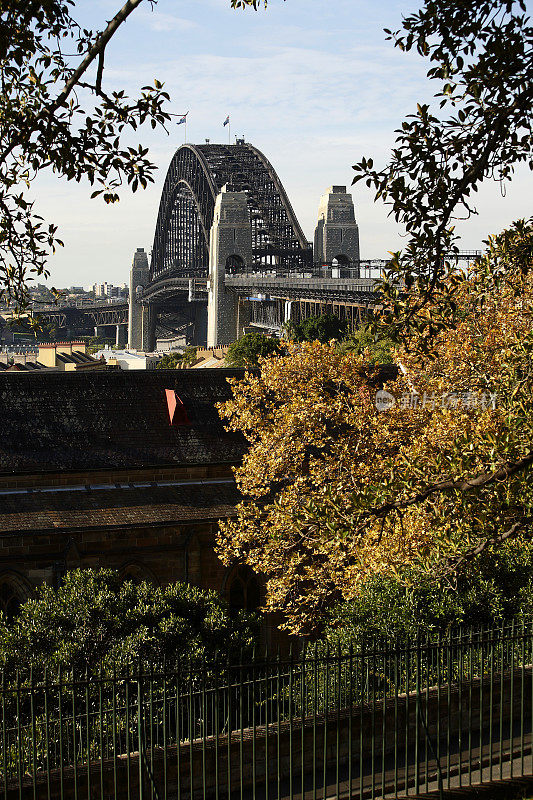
x=311, y=83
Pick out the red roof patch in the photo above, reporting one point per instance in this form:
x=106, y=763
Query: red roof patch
x=176, y=410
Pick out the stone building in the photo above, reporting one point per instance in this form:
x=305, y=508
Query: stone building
x=129, y=470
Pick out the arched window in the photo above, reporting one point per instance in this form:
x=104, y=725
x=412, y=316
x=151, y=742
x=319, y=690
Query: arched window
x=234, y=263
x=11, y=598
x=340, y=261
x=136, y=573
x=244, y=590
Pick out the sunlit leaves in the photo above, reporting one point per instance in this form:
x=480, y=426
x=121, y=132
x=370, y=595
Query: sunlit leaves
x=336, y=491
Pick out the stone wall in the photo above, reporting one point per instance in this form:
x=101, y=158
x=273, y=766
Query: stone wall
x=162, y=555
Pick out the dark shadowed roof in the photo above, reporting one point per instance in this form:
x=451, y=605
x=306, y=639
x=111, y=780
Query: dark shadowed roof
x=110, y=507
x=105, y=420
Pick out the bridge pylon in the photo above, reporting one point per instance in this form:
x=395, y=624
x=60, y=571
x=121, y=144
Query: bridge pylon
x=230, y=251
x=336, y=233
x=141, y=320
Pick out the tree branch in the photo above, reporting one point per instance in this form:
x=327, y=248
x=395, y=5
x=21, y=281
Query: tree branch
x=483, y=479
x=100, y=71
x=453, y=563
x=477, y=170
x=96, y=50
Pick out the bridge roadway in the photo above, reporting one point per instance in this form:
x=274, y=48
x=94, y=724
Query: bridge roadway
x=296, y=287
x=316, y=284
x=291, y=287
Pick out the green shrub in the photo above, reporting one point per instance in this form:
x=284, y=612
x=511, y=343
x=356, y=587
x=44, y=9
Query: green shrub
x=495, y=588
x=94, y=617
x=323, y=328
x=247, y=350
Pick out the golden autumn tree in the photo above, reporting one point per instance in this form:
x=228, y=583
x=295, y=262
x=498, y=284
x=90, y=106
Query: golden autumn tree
x=336, y=490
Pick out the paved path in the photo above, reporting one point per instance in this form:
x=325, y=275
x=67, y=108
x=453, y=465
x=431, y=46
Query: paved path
x=494, y=768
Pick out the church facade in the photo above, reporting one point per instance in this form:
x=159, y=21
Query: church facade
x=127, y=470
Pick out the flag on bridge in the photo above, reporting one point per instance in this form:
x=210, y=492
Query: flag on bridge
x=226, y=121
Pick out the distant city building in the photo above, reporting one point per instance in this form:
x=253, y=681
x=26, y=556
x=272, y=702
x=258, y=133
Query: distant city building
x=129, y=359
x=109, y=290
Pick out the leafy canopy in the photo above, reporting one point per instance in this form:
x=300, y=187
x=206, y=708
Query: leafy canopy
x=96, y=618
x=336, y=491
x=481, y=55
x=169, y=361
x=172, y=360
x=376, y=348
x=493, y=590
x=247, y=350
x=322, y=328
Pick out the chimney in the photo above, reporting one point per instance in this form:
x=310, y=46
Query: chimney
x=79, y=347
x=47, y=355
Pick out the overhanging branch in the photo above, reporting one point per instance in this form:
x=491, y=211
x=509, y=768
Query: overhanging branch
x=95, y=51
x=452, y=564
x=463, y=485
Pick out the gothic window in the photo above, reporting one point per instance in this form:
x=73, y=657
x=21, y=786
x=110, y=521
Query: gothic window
x=244, y=590
x=135, y=573
x=10, y=600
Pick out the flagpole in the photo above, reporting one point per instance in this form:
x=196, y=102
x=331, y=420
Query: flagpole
x=229, y=132
x=186, y=128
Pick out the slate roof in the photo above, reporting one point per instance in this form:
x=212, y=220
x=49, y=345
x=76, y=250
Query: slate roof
x=28, y=365
x=112, y=420
x=101, y=508
x=76, y=357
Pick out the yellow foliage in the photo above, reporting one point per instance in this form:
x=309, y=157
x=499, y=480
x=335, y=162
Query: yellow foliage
x=335, y=490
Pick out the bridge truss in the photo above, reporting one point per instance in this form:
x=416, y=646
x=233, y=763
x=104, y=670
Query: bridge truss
x=195, y=177
x=84, y=316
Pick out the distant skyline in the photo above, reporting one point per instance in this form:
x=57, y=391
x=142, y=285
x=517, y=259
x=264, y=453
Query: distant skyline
x=311, y=83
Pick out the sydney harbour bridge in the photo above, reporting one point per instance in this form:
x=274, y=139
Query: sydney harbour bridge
x=229, y=252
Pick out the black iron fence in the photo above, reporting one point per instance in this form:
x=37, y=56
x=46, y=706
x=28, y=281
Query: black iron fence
x=384, y=719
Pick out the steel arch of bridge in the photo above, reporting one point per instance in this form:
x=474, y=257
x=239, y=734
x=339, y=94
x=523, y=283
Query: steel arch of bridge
x=194, y=178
